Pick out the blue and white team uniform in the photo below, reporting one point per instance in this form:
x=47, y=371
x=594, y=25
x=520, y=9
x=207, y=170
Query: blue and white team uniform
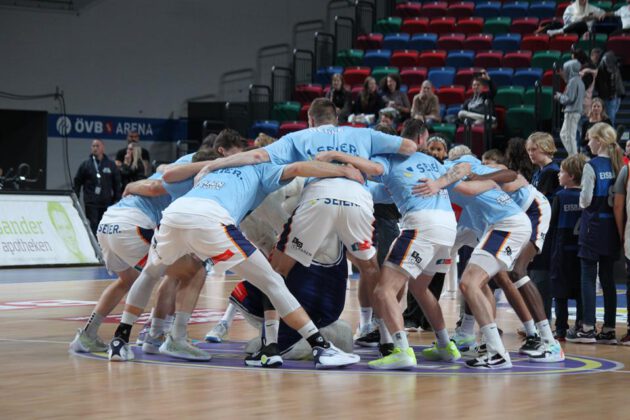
x=126, y=230
x=505, y=227
x=332, y=204
x=428, y=224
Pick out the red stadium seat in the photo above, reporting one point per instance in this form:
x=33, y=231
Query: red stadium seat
x=415, y=25
x=477, y=145
x=303, y=116
x=524, y=26
x=432, y=59
x=451, y=42
x=405, y=10
x=413, y=91
x=472, y=25
x=356, y=75
x=563, y=42
x=370, y=41
x=535, y=42
x=413, y=76
x=291, y=126
x=488, y=59
x=620, y=45
x=405, y=58
x=464, y=77
x=478, y=42
x=560, y=8
x=441, y=25
x=547, y=80
x=305, y=94
x=434, y=10
x=451, y=95
x=461, y=10
x=517, y=59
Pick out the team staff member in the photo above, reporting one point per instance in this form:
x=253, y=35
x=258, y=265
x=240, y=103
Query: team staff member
x=100, y=179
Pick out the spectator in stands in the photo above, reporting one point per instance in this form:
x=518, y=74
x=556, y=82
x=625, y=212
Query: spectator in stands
x=99, y=178
x=596, y=55
x=517, y=159
x=341, y=97
x=368, y=104
x=134, y=137
x=577, y=19
x=132, y=168
x=393, y=97
x=475, y=108
x=263, y=140
x=596, y=114
x=609, y=85
x=624, y=14
x=426, y=105
x=572, y=99
x=388, y=117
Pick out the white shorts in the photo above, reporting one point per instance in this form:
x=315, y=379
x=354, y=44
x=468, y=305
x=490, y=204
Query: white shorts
x=221, y=246
x=124, y=245
x=501, y=244
x=413, y=254
x=316, y=219
x=465, y=237
x=539, y=213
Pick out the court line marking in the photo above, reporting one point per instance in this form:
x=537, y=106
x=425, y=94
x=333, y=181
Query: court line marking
x=28, y=340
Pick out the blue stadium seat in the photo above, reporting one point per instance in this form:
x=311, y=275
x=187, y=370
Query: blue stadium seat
x=517, y=9
x=507, y=42
x=501, y=76
x=423, y=42
x=441, y=76
x=543, y=9
x=527, y=77
x=377, y=58
x=453, y=109
x=487, y=9
x=268, y=127
x=324, y=74
x=459, y=59
x=397, y=41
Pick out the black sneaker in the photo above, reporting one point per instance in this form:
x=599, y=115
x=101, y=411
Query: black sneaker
x=490, y=361
x=581, y=336
x=531, y=345
x=371, y=339
x=267, y=356
x=385, y=349
x=606, y=337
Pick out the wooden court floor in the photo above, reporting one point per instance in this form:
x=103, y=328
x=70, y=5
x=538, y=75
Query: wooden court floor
x=40, y=379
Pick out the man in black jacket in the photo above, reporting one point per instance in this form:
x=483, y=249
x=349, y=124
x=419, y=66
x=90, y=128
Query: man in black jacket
x=100, y=179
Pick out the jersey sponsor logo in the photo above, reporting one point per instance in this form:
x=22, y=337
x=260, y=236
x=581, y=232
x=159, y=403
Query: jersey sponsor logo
x=444, y=261
x=211, y=185
x=108, y=229
x=571, y=207
x=236, y=172
x=504, y=199
x=224, y=256
x=415, y=257
x=298, y=246
x=361, y=246
x=343, y=147
x=508, y=251
x=337, y=202
x=606, y=175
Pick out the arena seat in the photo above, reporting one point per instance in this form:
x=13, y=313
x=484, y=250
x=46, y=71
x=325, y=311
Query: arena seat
x=459, y=59
x=290, y=126
x=501, y=76
x=374, y=58
x=542, y=9
x=509, y=96
x=535, y=42
x=527, y=77
x=452, y=41
x=464, y=77
x=433, y=58
x=347, y=58
x=524, y=26
x=396, y=41
x=423, y=42
x=507, y=42
x=388, y=25
x=546, y=101
x=323, y=75
x=405, y=10
x=379, y=72
x=517, y=59
x=413, y=76
x=434, y=9
x=286, y=111
x=415, y=25
x=442, y=25
x=405, y=58
x=487, y=9
x=267, y=126
x=488, y=59
x=620, y=45
x=460, y=10
x=497, y=25
x=451, y=95
x=562, y=42
x=445, y=130
x=305, y=94
x=515, y=10
x=545, y=59
x=520, y=121
x=478, y=42
x=370, y=41
x=472, y=25
x=443, y=76
x=356, y=75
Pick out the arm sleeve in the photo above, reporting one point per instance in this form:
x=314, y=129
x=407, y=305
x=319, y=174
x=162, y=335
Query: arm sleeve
x=588, y=186
x=570, y=94
x=384, y=143
x=282, y=152
x=270, y=177
x=567, y=16
x=380, y=195
x=621, y=182
x=384, y=162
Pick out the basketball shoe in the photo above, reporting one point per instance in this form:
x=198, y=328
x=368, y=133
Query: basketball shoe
x=398, y=359
x=332, y=357
x=82, y=343
x=450, y=353
x=182, y=349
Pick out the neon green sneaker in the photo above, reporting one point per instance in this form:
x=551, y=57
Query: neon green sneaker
x=398, y=359
x=450, y=353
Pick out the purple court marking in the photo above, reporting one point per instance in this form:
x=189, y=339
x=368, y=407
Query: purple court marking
x=230, y=355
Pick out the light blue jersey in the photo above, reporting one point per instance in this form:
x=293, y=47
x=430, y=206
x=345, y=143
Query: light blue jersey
x=401, y=173
x=240, y=189
x=151, y=206
x=380, y=195
x=178, y=189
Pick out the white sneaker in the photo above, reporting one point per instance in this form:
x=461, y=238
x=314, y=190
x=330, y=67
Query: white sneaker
x=332, y=357
x=490, y=361
x=152, y=344
x=182, y=349
x=144, y=332
x=550, y=353
x=464, y=342
x=217, y=333
x=120, y=351
x=84, y=344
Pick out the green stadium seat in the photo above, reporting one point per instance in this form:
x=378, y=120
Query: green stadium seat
x=349, y=58
x=545, y=59
x=509, y=96
x=379, y=72
x=498, y=25
x=446, y=130
x=285, y=111
x=388, y=25
x=520, y=121
x=546, y=101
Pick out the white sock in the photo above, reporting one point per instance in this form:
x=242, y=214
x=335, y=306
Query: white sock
x=308, y=329
x=228, y=315
x=168, y=322
x=545, y=331
x=386, y=337
x=468, y=325
x=530, y=328
x=366, y=316
x=271, y=331
x=493, y=340
x=442, y=338
x=128, y=318
x=180, y=325
x=400, y=340
x=157, y=327
x=93, y=324
x=608, y=329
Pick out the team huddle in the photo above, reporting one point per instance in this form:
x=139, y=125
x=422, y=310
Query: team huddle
x=287, y=216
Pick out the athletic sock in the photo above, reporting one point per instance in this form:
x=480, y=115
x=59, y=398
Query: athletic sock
x=366, y=317
x=228, y=315
x=608, y=329
x=386, y=337
x=493, y=339
x=312, y=335
x=400, y=340
x=168, y=322
x=123, y=331
x=157, y=327
x=271, y=331
x=545, y=331
x=468, y=325
x=180, y=325
x=530, y=328
x=442, y=338
x=93, y=324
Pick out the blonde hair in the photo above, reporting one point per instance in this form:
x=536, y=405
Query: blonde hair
x=263, y=140
x=574, y=165
x=459, y=151
x=544, y=141
x=607, y=136
x=136, y=155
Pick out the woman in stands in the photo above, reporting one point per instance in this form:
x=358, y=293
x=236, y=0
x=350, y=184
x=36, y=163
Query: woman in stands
x=368, y=104
x=596, y=114
x=393, y=97
x=577, y=19
x=426, y=105
x=341, y=97
x=475, y=108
